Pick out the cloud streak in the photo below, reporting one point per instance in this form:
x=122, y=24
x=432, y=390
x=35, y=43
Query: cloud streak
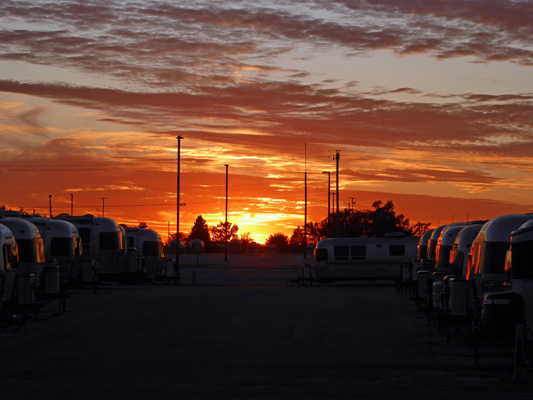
x=245, y=83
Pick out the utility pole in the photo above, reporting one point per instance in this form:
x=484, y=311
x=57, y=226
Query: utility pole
x=177, y=266
x=337, y=157
x=103, y=206
x=226, y=222
x=50, y=204
x=71, y=204
x=353, y=201
x=305, y=211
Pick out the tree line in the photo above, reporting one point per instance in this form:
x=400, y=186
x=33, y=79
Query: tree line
x=375, y=222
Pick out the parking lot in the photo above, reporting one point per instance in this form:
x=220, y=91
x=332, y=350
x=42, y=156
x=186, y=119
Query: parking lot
x=245, y=333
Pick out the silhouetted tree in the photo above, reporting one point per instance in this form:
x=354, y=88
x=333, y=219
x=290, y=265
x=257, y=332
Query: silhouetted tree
x=378, y=221
x=314, y=232
x=200, y=230
x=218, y=233
x=420, y=228
x=183, y=237
x=247, y=238
x=280, y=240
x=296, y=241
x=143, y=225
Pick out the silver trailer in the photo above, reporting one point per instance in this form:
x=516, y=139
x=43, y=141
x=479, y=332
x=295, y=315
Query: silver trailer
x=8, y=260
x=104, y=246
x=363, y=258
x=23, y=286
x=149, y=247
x=62, y=245
x=459, y=297
x=486, y=268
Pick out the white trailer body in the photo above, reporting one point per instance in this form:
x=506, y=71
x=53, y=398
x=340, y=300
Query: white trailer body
x=149, y=250
x=363, y=258
x=103, y=243
x=62, y=245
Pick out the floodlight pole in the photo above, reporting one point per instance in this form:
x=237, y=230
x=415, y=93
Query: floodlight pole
x=226, y=222
x=305, y=218
x=337, y=157
x=177, y=266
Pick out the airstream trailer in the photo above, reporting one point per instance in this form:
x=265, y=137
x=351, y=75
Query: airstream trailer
x=445, y=245
x=486, y=267
x=458, y=299
x=432, y=243
x=62, y=245
x=504, y=310
x=30, y=245
x=422, y=249
x=8, y=259
x=442, y=262
x=196, y=246
x=104, y=246
x=411, y=269
x=363, y=258
x=25, y=284
x=149, y=250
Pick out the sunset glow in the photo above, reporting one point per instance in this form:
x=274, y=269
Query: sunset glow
x=429, y=103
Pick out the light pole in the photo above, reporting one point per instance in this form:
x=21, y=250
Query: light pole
x=177, y=269
x=329, y=187
x=103, y=206
x=337, y=157
x=226, y=223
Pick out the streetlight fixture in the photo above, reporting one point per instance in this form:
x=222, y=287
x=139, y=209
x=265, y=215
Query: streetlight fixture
x=329, y=196
x=226, y=223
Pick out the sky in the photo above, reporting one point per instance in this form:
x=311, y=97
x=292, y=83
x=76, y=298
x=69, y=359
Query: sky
x=428, y=103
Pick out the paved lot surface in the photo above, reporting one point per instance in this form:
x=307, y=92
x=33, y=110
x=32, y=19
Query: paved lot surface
x=245, y=333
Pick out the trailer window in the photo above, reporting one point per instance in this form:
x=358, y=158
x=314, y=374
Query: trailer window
x=62, y=247
x=493, y=257
x=522, y=254
x=26, y=250
x=131, y=242
x=12, y=256
x=397, y=250
x=151, y=249
x=109, y=240
x=321, y=254
x=358, y=252
x=341, y=252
